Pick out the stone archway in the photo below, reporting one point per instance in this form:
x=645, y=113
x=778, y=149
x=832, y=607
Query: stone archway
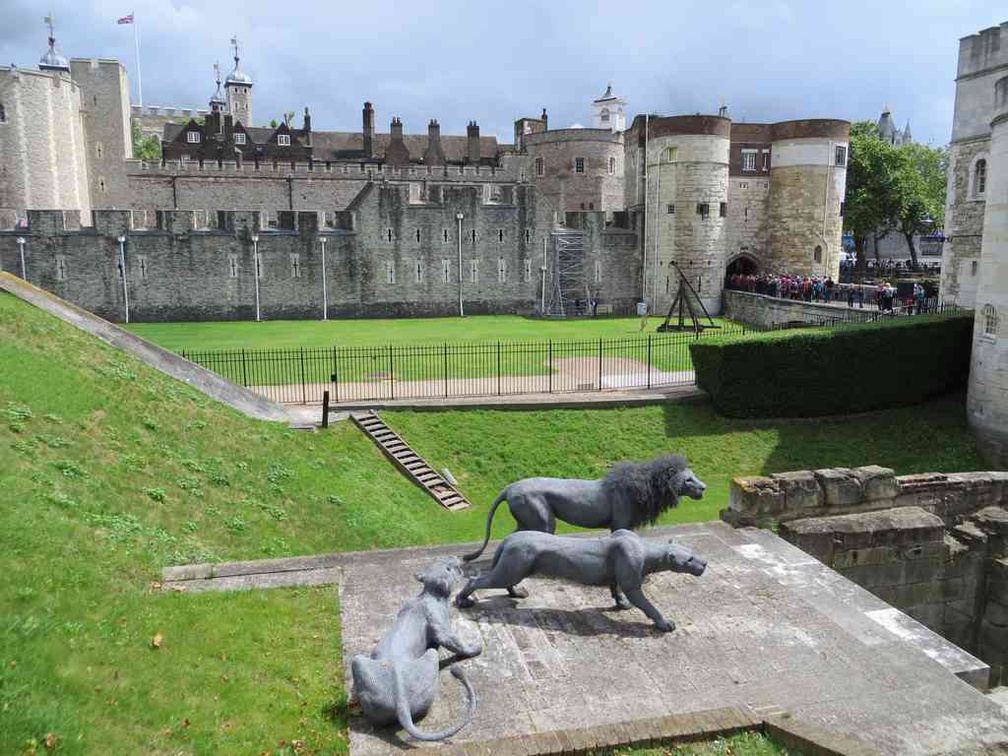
x=742, y=264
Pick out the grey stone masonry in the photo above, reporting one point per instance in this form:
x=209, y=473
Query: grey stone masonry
x=932, y=545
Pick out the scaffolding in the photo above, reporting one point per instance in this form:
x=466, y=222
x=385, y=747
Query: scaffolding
x=567, y=284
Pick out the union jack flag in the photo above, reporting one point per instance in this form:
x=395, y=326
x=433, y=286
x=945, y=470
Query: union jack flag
x=126, y=19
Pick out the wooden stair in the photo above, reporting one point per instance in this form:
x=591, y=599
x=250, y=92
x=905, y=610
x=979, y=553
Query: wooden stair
x=411, y=464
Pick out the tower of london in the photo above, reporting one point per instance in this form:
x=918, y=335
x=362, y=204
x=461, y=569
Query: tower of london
x=413, y=220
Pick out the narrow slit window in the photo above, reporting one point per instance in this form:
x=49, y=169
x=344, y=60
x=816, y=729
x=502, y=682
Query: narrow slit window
x=501, y=270
x=527, y=272
x=445, y=270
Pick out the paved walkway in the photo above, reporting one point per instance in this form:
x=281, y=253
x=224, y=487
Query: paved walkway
x=766, y=629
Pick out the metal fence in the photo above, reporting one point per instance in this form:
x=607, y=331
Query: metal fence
x=360, y=373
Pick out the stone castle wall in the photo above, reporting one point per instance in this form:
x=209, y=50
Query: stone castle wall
x=762, y=311
x=390, y=257
x=748, y=219
x=596, y=188
x=964, y=215
x=933, y=545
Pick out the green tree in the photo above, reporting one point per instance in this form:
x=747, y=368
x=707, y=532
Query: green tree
x=273, y=123
x=146, y=148
x=872, y=201
x=920, y=192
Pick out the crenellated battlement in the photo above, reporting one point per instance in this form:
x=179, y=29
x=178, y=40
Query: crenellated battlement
x=344, y=170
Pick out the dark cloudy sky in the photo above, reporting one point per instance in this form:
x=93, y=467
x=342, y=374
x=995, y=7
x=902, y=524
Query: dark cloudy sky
x=458, y=60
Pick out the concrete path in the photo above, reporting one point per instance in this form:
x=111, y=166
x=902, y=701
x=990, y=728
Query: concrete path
x=767, y=629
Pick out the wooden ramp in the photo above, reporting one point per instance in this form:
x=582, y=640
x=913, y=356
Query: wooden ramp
x=408, y=461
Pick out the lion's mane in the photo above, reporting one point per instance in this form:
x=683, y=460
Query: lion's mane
x=649, y=487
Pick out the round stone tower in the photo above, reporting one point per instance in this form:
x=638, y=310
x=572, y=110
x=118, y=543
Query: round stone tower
x=687, y=208
x=808, y=178
x=987, y=405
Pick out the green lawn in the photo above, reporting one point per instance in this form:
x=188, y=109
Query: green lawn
x=405, y=331
x=112, y=471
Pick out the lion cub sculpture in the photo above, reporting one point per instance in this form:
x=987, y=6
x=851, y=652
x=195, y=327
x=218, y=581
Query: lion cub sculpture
x=621, y=561
x=399, y=680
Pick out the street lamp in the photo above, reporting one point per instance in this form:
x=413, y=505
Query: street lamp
x=325, y=298
x=21, y=243
x=255, y=259
x=458, y=217
x=122, y=267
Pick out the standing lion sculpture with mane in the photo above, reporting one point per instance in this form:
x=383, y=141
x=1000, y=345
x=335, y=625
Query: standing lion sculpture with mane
x=631, y=494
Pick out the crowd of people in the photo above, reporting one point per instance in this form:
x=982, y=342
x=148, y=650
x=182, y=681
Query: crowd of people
x=883, y=295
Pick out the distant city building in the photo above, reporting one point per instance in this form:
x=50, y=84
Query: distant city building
x=889, y=133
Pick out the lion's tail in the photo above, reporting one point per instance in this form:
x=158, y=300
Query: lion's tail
x=406, y=718
x=486, y=538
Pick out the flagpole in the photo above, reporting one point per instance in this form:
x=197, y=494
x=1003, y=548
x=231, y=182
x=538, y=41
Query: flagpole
x=136, y=40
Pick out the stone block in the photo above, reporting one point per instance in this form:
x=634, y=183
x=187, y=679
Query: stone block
x=921, y=482
x=877, y=482
x=923, y=570
x=932, y=616
x=875, y=575
x=997, y=580
x=802, y=492
x=817, y=542
x=840, y=487
x=993, y=642
x=996, y=613
x=914, y=594
x=992, y=520
x=866, y=557
x=756, y=496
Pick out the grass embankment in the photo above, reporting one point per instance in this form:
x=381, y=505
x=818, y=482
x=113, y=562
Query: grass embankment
x=113, y=471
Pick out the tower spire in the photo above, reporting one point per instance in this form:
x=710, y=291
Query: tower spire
x=53, y=60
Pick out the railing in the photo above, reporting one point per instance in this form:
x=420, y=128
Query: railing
x=353, y=374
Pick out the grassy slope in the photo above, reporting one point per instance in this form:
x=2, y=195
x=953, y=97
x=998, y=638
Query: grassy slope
x=119, y=471
x=296, y=333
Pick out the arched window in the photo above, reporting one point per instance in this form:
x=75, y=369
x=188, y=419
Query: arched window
x=604, y=115
x=980, y=178
x=990, y=320
x=818, y=254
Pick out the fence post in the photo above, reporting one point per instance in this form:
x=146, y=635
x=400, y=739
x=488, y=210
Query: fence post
x=649, y=360
x=335, y=374
x=304, y=395
x=550, y=365
x=325, y=409
x=498, y=370
x=244, y=370
x=600, y=364
x=391, y=373
x=446, y=370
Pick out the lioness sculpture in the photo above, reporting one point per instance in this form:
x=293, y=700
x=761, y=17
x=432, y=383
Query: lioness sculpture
x=399, y=680
x=621, y=560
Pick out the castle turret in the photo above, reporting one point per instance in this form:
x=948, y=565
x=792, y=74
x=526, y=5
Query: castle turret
x=239, y=90
x=472, y=143
x=53, y=59
x=987, y=404
x=368, y=118
x=608, y=111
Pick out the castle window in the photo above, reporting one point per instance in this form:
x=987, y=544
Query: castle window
x=101, y=184
x=766, y=160
x=500, y=234
x=501, y=270
x=444, y=236
x=743, y=185
x=703, y=209
x=745, y=212
x=473, y=271
x=841, y=155
x=579, y=165
x=233, y=266
x=446, y=270
x=99, y=150
x=604, y=115
x=283, y=140
x=521, y=175
x=527, y=272
x=672, y=154
x=980, y=178
x=295, y=265
x=418, y=236
x=239, y=138
x=3, y=114
x=612, y=166
x=973, y=268
x=841, y=209
x=990, y=320
x=473, y=236
x=723, y=210
x=390, y=272
x=598, y=271
x=418, y=271
x=388, y=235
x=142, y=265
x=540, y=166
x=193, y=137
x=748, y=160
x=528, y=236
x=61, y=268
x=817, y=255
x=670, y=209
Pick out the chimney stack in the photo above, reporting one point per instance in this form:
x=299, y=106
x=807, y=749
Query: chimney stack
x=434, y=155
x=396, y=153
x=306, y=128
x=545, y=120
x=368, y=130
x=473, y=143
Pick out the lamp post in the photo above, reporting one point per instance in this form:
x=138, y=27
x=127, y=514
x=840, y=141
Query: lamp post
x=255, y=260
x=122, y=266
x=325, y=299
x=458, y=217
x=24, y=272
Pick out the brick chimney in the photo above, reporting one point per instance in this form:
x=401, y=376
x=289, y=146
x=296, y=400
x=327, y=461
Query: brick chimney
x=434, y=155
x=473, y=143
x=396, y=153
x=306, y=128
x=368, y=130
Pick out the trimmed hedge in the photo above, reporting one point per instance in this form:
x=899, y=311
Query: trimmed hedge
x=835, y=371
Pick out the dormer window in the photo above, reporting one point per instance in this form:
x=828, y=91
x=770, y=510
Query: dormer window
x=193, y=137
x=239, y=138
x=283, y=140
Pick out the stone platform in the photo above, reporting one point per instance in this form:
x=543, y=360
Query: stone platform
x=767, y=629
